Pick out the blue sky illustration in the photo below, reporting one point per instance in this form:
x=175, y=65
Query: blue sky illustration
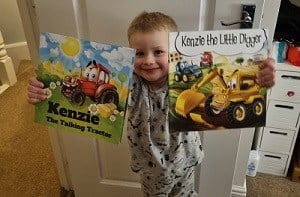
x=115, y=58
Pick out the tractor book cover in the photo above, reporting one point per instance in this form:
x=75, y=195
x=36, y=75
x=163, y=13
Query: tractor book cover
x=87, y=86
x=212, y=82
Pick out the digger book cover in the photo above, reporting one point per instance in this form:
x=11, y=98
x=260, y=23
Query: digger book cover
x=87, y=85
x=212, y=79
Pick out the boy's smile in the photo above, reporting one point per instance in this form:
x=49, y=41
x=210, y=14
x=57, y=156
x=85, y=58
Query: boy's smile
x=151, y=61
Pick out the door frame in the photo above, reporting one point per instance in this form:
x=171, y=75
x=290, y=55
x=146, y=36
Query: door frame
x=30, y=26
x=31, y=29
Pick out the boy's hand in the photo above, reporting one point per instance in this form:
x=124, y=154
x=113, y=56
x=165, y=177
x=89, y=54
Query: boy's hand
x=36, y=93
x=266, y=76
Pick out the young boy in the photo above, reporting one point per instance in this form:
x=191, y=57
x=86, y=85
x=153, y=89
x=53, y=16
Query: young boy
x=165, y=161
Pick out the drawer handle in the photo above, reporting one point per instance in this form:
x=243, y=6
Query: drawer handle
x=290, y=93
x=279, y=133
x=272, y=156
x=290, y=77
x=284, y=106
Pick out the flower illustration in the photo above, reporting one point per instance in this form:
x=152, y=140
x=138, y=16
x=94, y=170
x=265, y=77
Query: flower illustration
x=52, y=85
x=112, y=118
x=116, y=112
x=122, y=113
x=48, y=92
x=93, y=108
x=58, y=83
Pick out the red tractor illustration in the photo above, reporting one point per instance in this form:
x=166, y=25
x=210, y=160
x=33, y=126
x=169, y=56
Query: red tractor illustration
x=94, y=82
x=206, y=59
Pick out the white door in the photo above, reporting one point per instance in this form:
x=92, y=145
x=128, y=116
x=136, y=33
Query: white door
x=223, y=171
x=95, y=168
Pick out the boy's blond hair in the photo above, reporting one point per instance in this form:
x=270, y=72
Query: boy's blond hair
x=151, y=21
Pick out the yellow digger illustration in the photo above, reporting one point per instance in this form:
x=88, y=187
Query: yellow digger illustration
x=234, y=94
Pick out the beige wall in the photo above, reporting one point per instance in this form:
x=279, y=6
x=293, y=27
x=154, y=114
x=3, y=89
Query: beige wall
x=12, y=32
x=10, y=22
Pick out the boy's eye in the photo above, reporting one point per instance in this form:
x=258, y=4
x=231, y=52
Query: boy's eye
x=158, y=52
x=139, y=53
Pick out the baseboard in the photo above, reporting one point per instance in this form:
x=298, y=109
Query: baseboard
x=18, y=51
x=239, y=191
x=66, y=193
x=3, y=87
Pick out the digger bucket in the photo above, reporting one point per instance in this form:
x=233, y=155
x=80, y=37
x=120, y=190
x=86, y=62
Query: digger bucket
x=187, y=101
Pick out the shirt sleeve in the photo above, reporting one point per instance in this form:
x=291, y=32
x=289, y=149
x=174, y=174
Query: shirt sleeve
x=132, y=122
x=134, y=89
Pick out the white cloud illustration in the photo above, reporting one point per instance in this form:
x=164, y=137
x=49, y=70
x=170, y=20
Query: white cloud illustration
x=223, y=42
x=118, y=58
x=56, y=38
x=43, y=43
x=89, y=54
x=54, y=52
x=99, y=46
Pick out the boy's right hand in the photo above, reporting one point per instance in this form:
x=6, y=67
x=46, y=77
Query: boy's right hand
x=35, y=93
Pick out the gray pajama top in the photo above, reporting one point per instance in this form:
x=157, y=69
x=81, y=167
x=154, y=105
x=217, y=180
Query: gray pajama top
x=153, y=148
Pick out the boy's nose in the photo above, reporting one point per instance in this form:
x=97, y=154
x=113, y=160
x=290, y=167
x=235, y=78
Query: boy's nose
x=149, y=59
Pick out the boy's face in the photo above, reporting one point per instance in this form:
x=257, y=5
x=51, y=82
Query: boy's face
x=151, y=61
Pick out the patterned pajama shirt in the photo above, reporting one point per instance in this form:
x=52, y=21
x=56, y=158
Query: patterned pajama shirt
x=165, y=161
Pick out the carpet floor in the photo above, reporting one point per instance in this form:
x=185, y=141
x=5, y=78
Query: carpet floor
x=27, y=165
x=264, y=185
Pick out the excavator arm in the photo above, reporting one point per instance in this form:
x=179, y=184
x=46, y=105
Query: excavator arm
x=191, y=98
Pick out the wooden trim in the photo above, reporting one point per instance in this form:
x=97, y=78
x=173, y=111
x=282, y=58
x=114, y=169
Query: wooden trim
x=239, y=191
x=7, y=72
x=60, y=158
x=31, y=28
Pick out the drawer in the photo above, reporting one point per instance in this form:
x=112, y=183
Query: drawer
x=272, y=163
x=277, y=140
x=282, y=115
x=287, y=86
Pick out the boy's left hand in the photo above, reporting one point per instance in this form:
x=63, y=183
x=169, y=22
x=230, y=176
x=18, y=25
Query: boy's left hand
x=266, y=76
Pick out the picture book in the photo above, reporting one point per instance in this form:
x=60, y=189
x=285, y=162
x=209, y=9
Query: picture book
x=212, y=79
x=87, y=85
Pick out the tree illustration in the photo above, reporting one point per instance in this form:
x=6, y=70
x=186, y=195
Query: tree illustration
x=122, y=77
x=239, y=60
x=51, y=59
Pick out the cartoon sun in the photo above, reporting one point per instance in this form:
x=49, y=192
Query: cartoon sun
x=70, y=46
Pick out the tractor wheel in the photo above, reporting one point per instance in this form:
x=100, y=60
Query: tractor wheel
x=185, y=78
x=236, y=113
x=177, y=77
x=78, y=98
x=63, y=91
x=108, y=96
x=257, y=108
x=199, y=75
x=208, y=109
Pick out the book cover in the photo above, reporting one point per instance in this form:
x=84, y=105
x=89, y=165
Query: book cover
x=212, y=79
x=87, y=85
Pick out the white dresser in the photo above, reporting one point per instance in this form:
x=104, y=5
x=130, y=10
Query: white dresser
x=276, y=141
